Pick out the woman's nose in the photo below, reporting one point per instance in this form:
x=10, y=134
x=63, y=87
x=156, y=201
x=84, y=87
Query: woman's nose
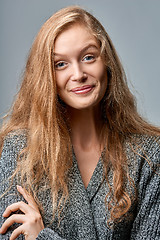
x=78, y=73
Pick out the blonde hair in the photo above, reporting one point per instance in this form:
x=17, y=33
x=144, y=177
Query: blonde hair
x=38, y=109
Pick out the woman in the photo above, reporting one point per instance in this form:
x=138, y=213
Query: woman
x=77, y=161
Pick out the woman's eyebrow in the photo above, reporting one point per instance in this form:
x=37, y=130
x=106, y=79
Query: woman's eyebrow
x=87, y=47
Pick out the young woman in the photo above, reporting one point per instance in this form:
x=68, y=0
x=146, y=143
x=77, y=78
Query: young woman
x=77, y=162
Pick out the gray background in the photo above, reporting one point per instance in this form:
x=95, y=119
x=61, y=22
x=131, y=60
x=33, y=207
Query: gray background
x=133, y=25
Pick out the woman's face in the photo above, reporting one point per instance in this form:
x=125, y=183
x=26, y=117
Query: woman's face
x=81, y=75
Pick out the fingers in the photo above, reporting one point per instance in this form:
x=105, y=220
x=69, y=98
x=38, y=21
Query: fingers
x=27, y=197
x=16, y=218
x=16, y=233
x=16, y=206
x=23, y=192
x=31, y=220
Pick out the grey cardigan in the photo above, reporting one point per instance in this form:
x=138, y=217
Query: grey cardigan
x=85, y=214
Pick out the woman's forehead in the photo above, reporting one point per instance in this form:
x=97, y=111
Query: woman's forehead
x=77, y=36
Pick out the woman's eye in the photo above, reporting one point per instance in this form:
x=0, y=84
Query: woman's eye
x=60, y=65
x=89, y=58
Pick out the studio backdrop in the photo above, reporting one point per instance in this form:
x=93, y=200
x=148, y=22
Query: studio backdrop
x=134, y=27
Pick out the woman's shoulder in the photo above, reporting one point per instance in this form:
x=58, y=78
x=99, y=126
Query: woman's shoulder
x=148, y=144
x=16, y=139
x=145, y=138
x=14, y=143
x=143, y=160
x=143, y=153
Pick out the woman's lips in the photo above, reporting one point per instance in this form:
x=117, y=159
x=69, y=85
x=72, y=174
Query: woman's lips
x=82, y=90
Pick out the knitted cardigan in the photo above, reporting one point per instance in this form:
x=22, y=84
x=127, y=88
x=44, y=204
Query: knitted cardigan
x=85, y=214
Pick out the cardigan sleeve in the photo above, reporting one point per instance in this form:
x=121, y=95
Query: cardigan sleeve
x=147, y=222
x=11, y=148
x=48, y=234
x=9, y=195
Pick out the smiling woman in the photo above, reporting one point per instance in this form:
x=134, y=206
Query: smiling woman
x=77, y=160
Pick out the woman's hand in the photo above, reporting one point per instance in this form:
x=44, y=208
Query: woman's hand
x=31, y=220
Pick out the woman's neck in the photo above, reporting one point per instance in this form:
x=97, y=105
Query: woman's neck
x=85, y=128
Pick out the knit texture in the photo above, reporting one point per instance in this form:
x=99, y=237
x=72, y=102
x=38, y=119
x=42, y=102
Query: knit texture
x=85, y=215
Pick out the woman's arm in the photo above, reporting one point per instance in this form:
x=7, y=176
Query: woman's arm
x=12, y=145
x=30, y=218
x=147, y=222
x=13, y=201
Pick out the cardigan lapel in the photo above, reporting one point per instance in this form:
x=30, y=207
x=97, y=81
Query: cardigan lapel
x=80, y=205
x=95, y=181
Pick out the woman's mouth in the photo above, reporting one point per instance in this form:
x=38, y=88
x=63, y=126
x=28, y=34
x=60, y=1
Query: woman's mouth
x=83, y=90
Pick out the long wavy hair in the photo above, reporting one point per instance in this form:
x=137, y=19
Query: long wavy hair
x=38, y=110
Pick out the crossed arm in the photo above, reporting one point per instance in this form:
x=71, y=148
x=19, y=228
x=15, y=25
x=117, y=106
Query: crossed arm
x=30, y=219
